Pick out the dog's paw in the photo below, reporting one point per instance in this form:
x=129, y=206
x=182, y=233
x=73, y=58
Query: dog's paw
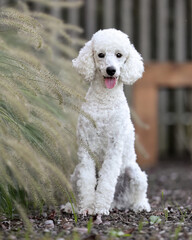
x=87, y=211
x=101, y=211
x=68, y=208
x=147, y=207
x=142, y=206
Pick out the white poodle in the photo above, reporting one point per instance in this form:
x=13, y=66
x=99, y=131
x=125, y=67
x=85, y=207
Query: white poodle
x=108, y=61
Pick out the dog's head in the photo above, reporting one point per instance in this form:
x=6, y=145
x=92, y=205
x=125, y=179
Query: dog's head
x=111, y=54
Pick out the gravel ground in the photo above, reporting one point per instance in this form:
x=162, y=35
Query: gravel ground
x=170, y=194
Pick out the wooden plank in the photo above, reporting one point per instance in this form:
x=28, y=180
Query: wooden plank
x=144, y=40
x=3, y=3
x=128, y=94
x=171, y=75
x=126, y=17
x=145, y=96
x=55, y=11
x=180, y=133
x=38, y=7
x=162, y=30
x=90, y=18
x=162, y=124
x=126, y=26
x=191, y=23
x=145, y=105
x=109, y=13
x=180, y=30
x=73, y=16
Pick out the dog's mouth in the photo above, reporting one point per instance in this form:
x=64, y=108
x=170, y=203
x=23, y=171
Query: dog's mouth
x=110, y=82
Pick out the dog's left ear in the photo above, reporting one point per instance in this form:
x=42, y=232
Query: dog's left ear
x=84, y=63
x=133, y=67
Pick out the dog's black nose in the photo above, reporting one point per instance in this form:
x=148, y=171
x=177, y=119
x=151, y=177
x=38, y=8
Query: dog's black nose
x=110, y=71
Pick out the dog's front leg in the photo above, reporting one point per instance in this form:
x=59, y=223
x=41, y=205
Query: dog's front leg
x=85, y=181
x=108, y=176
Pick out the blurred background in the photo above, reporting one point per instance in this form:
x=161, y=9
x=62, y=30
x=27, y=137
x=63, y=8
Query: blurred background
x=41, y=97
x=161, y=31
x=41, y=94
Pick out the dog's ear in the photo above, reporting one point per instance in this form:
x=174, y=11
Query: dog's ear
x=133, y=67
x=84, y=63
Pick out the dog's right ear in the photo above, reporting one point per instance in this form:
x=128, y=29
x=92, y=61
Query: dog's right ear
x=84, y=63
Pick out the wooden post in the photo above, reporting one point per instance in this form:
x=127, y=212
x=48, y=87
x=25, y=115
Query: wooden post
x=162, y=108
x=145, y=100
x=145, y=106
x=162, y=30
x=144, y=42
x=3, y=3
x=73, y=16
x=126, y=26
x=180, y=30
x=191, y=23
x=90, y=18
x=126, y=17
x=109, y=13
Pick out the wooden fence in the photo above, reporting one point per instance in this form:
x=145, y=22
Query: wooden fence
x=163, y=100
x=161, y=31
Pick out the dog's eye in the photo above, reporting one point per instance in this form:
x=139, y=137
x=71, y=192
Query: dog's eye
x=119, y=55
x=101, y=55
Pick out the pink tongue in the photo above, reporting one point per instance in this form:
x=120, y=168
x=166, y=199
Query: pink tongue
x=110, y=82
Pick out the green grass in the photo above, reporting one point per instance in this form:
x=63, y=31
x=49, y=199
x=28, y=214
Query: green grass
x=40, y=98
x=118, y=234
x=89, y=225
x=154, y=219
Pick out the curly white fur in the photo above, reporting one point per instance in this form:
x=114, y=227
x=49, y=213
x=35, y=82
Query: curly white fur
x=120, y=182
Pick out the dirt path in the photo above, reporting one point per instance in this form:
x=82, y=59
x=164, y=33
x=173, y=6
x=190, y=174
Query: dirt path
x=170, y=194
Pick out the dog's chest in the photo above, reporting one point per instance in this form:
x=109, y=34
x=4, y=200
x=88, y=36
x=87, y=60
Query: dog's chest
x=108, y=122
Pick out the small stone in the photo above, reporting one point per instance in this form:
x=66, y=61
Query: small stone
x=59, y=221
x=54, y=232
x=12, y=237
x=81, y=230
x=6, y=225
x=44, y=214
x=49, y=224
x=107, y=223
x=98, y=220
x=62, y=207
x=67, y=225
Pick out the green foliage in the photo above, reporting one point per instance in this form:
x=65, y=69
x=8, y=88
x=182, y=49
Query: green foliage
x=6, y=202
x=59, y=3
x=154, y=219
x=90, y=225
x=40, y=96
x=140, y=226
x=183, y=214
x=118, y=233
x=72, y=200
x=166, y=214
x=162, y=196
x=177, y=231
